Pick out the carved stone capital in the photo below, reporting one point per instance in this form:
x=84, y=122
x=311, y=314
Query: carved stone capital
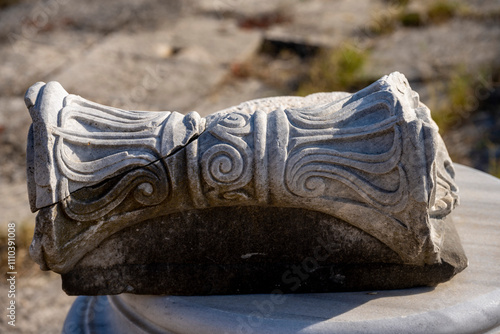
x=373, y=160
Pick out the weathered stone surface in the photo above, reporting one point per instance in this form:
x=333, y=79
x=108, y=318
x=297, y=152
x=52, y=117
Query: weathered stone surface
x=427, y=53
x=312, y=22
x=251, y=250
x=24, y=52
x=370, y=164
x=324, y=23
x=470, y=303
x=159, y=66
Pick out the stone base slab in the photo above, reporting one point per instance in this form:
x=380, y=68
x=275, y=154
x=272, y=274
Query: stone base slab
x=245, y=250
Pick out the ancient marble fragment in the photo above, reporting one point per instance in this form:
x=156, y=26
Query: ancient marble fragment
x=329, y=192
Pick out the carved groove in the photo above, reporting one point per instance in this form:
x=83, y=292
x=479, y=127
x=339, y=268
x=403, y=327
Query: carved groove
x=149, y=186
x=227, y=167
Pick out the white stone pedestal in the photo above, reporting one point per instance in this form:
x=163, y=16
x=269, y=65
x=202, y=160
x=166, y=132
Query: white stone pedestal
x=469, y=303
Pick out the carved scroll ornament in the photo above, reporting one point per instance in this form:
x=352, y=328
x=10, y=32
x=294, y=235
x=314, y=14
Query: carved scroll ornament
x=373, y=159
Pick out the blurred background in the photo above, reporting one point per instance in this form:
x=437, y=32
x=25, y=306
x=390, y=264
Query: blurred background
x=207, y=55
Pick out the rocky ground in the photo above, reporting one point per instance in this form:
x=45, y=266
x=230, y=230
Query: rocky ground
x=210, y=54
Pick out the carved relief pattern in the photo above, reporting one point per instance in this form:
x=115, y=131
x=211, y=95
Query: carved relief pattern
x=227, y=165
x=148, y=186
x=94, y=143
x=325, y=147
x=446, y=197
x=373, y=153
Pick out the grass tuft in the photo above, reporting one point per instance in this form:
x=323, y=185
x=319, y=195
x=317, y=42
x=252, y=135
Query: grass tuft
x=335, y=70
x=459, y=99
x=442, y=11
x=411, y=19
x=382, y=24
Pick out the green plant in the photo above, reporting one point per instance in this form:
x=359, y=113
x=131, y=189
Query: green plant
x=441, y=11
x=411, y=19
x=388, y=20
x=383, y=24
x=459, y=99
x=335, y=70
x=461, y=90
